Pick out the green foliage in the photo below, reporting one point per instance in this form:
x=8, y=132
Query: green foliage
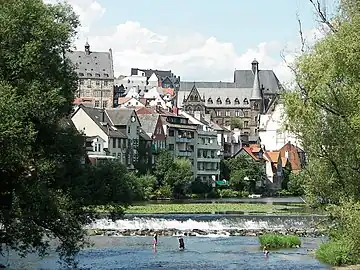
x=163, y=191
x=147, y=184
x=276, y=241
x=200, y=187
x=336, y=252
x=242, y=167
x=324, y=110
x=236, y=123
x=228, y=193
x=297, y=183
x=325, y=113
x=204, y=208
x=163, y=162
x=286, y=176
x=179, y=176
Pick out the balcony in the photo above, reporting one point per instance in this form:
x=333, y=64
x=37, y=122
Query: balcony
x=208, y=159
x=184, y=154
x=183, y=140
x=208, y=146
x=208, y=172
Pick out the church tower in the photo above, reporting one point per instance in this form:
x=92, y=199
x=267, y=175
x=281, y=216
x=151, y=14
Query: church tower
x=256, y=100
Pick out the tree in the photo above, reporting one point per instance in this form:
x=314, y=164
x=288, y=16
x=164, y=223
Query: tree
x=324, y=109
x=163, y=162
x=286, y=176
x=242, y=168
x=236, y=123
x=179, y=176
x=41, y=174
x=296, y=184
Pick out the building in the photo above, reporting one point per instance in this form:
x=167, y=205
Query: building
x=251, y=94
x=208, y=150
x=272, y=129
x=113, y=132
x=96, y=76
x=152, y=125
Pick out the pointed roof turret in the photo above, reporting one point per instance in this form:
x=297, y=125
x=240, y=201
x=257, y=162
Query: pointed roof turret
x=256, y=91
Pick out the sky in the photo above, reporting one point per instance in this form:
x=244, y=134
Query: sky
x=197, y=40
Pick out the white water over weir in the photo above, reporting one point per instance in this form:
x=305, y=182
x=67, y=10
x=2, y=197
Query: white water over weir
x=243, y=224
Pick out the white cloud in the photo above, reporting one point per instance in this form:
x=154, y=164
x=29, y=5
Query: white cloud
x=193, y=56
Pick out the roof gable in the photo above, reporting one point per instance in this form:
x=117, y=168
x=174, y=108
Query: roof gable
x=120, y=116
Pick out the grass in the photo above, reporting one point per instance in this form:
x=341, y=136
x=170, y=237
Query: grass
x=276, y=241
x=202, y=208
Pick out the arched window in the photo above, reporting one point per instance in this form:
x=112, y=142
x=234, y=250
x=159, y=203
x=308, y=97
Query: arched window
x=237, y=102
x=228, y=101
x=191, y=98
x=209, y=101
x=246, y=101
x=218, y=101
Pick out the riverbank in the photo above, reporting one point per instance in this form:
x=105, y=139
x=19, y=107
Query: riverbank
x=206, y=208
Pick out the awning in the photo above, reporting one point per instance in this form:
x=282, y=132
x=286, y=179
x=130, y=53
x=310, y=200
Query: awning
x=222, y=182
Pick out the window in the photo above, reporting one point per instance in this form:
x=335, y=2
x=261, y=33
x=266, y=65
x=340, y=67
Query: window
x=97, y=103
x=246, y=113
x=218, y=101
x=97, y=82
x=106, y=75
x=191, y=98
x=171, y=147
x=237, y=113
x=97, y=75
x=129, y=129
x=210, y=101
x=119, y=156
x=246, y=124
x=171, y=133
x=227, y=101
x=105, y=103
x=237, y=102
x=106, y=83
x=89, y=75
x=119, y=143
x=218, y=113
x=82, y=82
x=81, y=74
x=246, y=102
x=114, y=142
x=227, y=113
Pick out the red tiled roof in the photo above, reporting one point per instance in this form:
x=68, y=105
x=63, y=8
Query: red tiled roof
x=274, y=156
x=248, y=150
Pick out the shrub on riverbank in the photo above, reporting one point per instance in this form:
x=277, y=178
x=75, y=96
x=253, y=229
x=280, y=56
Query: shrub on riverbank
x=276, y=241
x=337, y=253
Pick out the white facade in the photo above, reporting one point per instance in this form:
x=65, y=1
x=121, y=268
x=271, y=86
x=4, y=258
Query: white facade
x=132, y=102
x=272, y=130
x=133, y=93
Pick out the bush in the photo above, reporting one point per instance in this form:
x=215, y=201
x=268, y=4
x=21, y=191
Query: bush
x=228, y=193
x=337, y=253
x=213, y=194
x=200, y=187
x=163, y=192
x=276, y=241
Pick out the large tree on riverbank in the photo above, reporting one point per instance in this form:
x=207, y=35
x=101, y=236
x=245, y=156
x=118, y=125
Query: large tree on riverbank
x=325, y=113
x=325, y=109
x=41, y=184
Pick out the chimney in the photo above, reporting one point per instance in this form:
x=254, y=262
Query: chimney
x=87, y=48
x=103, y=115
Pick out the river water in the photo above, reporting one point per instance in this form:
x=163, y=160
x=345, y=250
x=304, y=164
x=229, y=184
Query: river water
x=127, y=244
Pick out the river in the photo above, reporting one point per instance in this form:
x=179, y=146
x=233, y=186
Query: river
x=212, y=242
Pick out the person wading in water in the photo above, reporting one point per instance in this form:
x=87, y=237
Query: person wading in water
x=155, y=240
x=181, y=243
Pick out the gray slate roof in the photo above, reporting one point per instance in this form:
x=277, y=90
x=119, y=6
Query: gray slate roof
x=98, y=64
x=97, y=116
x=242, y=79
x=223, y=94
x=119, y=116
x=148, y=122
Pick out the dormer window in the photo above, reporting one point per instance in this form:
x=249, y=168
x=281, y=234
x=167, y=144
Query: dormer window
x=106, y=75
x=237, y=102
x=246, y=101
x=210, y=101
x=89, y=75
x=81, y=74
x=191, y=98
x=218, y=101
x=97, y=75
x=227, y=101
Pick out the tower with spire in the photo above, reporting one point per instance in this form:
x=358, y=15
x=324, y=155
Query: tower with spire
x=256, y=99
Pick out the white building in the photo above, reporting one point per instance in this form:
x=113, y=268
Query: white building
x=272, y=130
